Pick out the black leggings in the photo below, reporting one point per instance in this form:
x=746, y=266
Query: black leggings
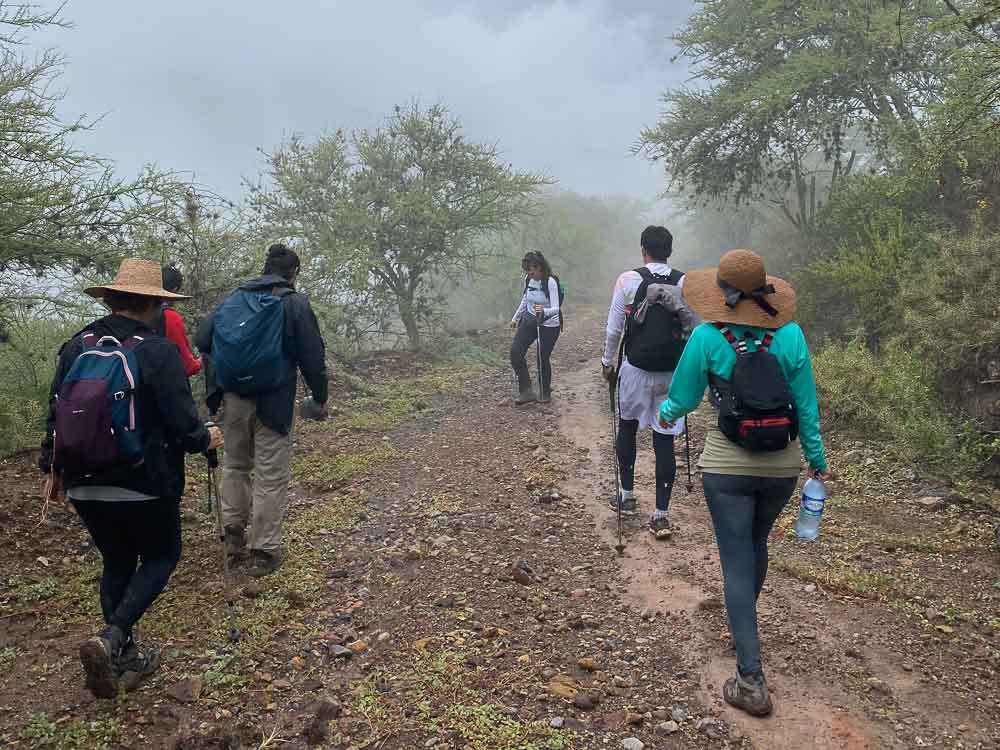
x=525, y=336
x=666, y=462
x=140, y=543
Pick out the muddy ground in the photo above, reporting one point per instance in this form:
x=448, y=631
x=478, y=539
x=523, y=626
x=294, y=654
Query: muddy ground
x=452, y=583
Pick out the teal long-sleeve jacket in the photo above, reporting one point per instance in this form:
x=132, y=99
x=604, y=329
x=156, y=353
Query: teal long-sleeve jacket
x=707, y=351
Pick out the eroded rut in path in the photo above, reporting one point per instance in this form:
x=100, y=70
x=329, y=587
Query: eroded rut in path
x=680, y=578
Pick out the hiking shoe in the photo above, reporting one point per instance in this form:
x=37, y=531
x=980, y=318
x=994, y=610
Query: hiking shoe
x=98, y=656
x=136, y=664
x=544, y=398
x=525, y=397
x=264, y=563
x=235, y=542
x=660, y=527
x=750, y=696
x=629, y=505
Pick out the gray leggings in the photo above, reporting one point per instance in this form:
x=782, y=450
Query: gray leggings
x=743, y=509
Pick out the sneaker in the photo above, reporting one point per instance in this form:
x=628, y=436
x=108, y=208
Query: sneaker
x=98, y=656
x=629, y=504
x=235, y=542
x=525, y=397
x=136, y=664
x=750, y=696
x=264, y=563
x=660, y=527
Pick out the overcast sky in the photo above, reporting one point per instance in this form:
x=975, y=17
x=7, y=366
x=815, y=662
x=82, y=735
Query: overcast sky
x=199, y=85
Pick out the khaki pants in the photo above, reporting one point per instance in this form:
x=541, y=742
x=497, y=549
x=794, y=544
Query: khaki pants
x=260, y=500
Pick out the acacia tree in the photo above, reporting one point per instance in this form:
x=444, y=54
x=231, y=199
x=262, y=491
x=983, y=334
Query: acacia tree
x=791, y=96
x=381, y=213
x=62, y=210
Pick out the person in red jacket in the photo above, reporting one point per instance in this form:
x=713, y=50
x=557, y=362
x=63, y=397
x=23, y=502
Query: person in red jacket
x=172, y=324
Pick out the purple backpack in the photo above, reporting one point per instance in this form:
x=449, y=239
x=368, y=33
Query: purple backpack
x=96, y=427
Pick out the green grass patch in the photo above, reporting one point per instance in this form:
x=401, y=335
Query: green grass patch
x=41, y=733
x=840, y=577
x=436, y=686
x=486, y=727
x=320, y=465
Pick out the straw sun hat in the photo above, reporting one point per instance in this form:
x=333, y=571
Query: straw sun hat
x=135, y=276
x=739, y=291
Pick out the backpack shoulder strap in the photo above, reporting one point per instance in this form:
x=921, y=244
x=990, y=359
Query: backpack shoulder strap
x=645, y=273
x=738, y=345
x=648, y=277
x=674, y=277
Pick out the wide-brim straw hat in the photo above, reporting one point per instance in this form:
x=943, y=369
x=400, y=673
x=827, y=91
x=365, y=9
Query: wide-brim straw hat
x=740, y=291
x=136, y=276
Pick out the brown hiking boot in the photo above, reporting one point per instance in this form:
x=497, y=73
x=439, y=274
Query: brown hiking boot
x=98, y=656
x=750, y=696
x=265, y=563
x=136, y=664
x=660, y=527
x=235, y=542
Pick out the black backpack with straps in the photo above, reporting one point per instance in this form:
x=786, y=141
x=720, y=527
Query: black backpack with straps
x=656, y=344
x=756, y=406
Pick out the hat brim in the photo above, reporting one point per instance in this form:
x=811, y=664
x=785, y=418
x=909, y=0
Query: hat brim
x=703, y=294
x=98, y=292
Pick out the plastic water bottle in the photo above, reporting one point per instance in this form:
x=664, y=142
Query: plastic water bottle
x=811, y=508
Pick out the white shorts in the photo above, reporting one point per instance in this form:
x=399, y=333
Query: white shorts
x=640, y=394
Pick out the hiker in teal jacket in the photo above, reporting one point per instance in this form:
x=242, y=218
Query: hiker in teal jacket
x=745, y=490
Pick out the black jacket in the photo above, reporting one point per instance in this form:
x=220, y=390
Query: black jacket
x=167, y=414
x=303, y=345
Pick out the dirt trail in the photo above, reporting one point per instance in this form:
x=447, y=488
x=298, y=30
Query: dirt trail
x=821, y=707
x=436, y=593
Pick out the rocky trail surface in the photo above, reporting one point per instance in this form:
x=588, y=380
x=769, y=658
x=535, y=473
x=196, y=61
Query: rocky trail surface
x=452, y=583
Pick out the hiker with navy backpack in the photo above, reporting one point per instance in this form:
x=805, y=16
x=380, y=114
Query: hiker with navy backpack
x=755, y=362
x=648, y=324
x=538, y=318
x=258, y=339
x=121, y=417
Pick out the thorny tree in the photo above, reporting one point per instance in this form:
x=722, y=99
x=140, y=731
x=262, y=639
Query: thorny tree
x=62, y=210
x=791, y=97
x=381, y=215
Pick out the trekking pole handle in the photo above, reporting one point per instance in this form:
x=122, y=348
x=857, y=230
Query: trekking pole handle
x=212, y=455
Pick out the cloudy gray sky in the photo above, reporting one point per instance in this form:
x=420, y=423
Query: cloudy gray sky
x=198, y=85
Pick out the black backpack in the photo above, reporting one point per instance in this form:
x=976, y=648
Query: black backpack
x=562, y=294
x=656, y=344
x=756, y=407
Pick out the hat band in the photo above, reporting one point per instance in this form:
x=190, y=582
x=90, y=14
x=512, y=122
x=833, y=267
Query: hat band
x=734, y=296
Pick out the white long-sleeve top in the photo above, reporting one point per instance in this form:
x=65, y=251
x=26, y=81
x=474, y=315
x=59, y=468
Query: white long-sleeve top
x=535, y=295
x=622, y=299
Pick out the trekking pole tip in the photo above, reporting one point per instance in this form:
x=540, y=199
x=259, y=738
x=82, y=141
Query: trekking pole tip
x=620, y=549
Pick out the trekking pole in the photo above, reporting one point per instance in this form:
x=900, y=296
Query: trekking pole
x=687, y=451
x=538, y=352
x=620, y=547
x=212, y=457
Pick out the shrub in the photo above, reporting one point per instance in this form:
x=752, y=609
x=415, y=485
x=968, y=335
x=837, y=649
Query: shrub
x=893, y=396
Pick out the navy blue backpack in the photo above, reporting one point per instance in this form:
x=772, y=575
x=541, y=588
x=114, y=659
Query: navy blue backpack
x=97, y=426
x=248, y=342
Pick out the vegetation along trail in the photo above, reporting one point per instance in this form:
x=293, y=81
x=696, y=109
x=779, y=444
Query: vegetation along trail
x=451, y=582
